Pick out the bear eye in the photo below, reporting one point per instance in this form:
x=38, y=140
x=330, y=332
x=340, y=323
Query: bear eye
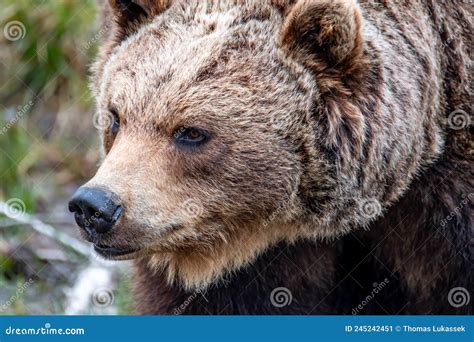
x=190, y=136
x=115, y=126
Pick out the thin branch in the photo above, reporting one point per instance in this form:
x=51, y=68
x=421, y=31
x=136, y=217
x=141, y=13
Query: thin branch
x=47, y=230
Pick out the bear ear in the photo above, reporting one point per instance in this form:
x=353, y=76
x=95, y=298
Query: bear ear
x=326, y=37
x=324, y=33
x=131, y=14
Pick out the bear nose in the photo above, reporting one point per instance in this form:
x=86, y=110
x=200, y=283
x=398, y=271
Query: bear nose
x=94, y=210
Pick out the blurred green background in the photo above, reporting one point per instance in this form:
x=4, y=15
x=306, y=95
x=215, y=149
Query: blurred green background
x=48, y=147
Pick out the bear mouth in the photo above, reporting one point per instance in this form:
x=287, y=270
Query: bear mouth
x=111, y=252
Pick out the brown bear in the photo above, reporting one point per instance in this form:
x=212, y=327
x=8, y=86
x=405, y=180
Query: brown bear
x=286, y=157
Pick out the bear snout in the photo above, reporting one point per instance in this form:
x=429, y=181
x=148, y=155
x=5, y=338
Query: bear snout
x=95, y=210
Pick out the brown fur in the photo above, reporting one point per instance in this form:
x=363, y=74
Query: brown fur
x=318, y=110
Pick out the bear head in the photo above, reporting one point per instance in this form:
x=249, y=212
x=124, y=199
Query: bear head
x=230, y=126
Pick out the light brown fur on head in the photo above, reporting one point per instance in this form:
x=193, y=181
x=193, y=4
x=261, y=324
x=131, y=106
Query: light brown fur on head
x=274, y=84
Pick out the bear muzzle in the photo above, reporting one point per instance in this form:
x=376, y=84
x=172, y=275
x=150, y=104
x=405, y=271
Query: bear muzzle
x=95, y=210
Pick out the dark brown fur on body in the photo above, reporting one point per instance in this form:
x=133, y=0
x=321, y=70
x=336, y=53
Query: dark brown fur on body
x=248, y=291
x=318, y=108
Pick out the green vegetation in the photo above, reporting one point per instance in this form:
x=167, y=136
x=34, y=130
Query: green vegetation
x=48, y=145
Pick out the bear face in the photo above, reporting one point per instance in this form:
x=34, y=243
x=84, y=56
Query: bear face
x=167, y=178
x=231, y=128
